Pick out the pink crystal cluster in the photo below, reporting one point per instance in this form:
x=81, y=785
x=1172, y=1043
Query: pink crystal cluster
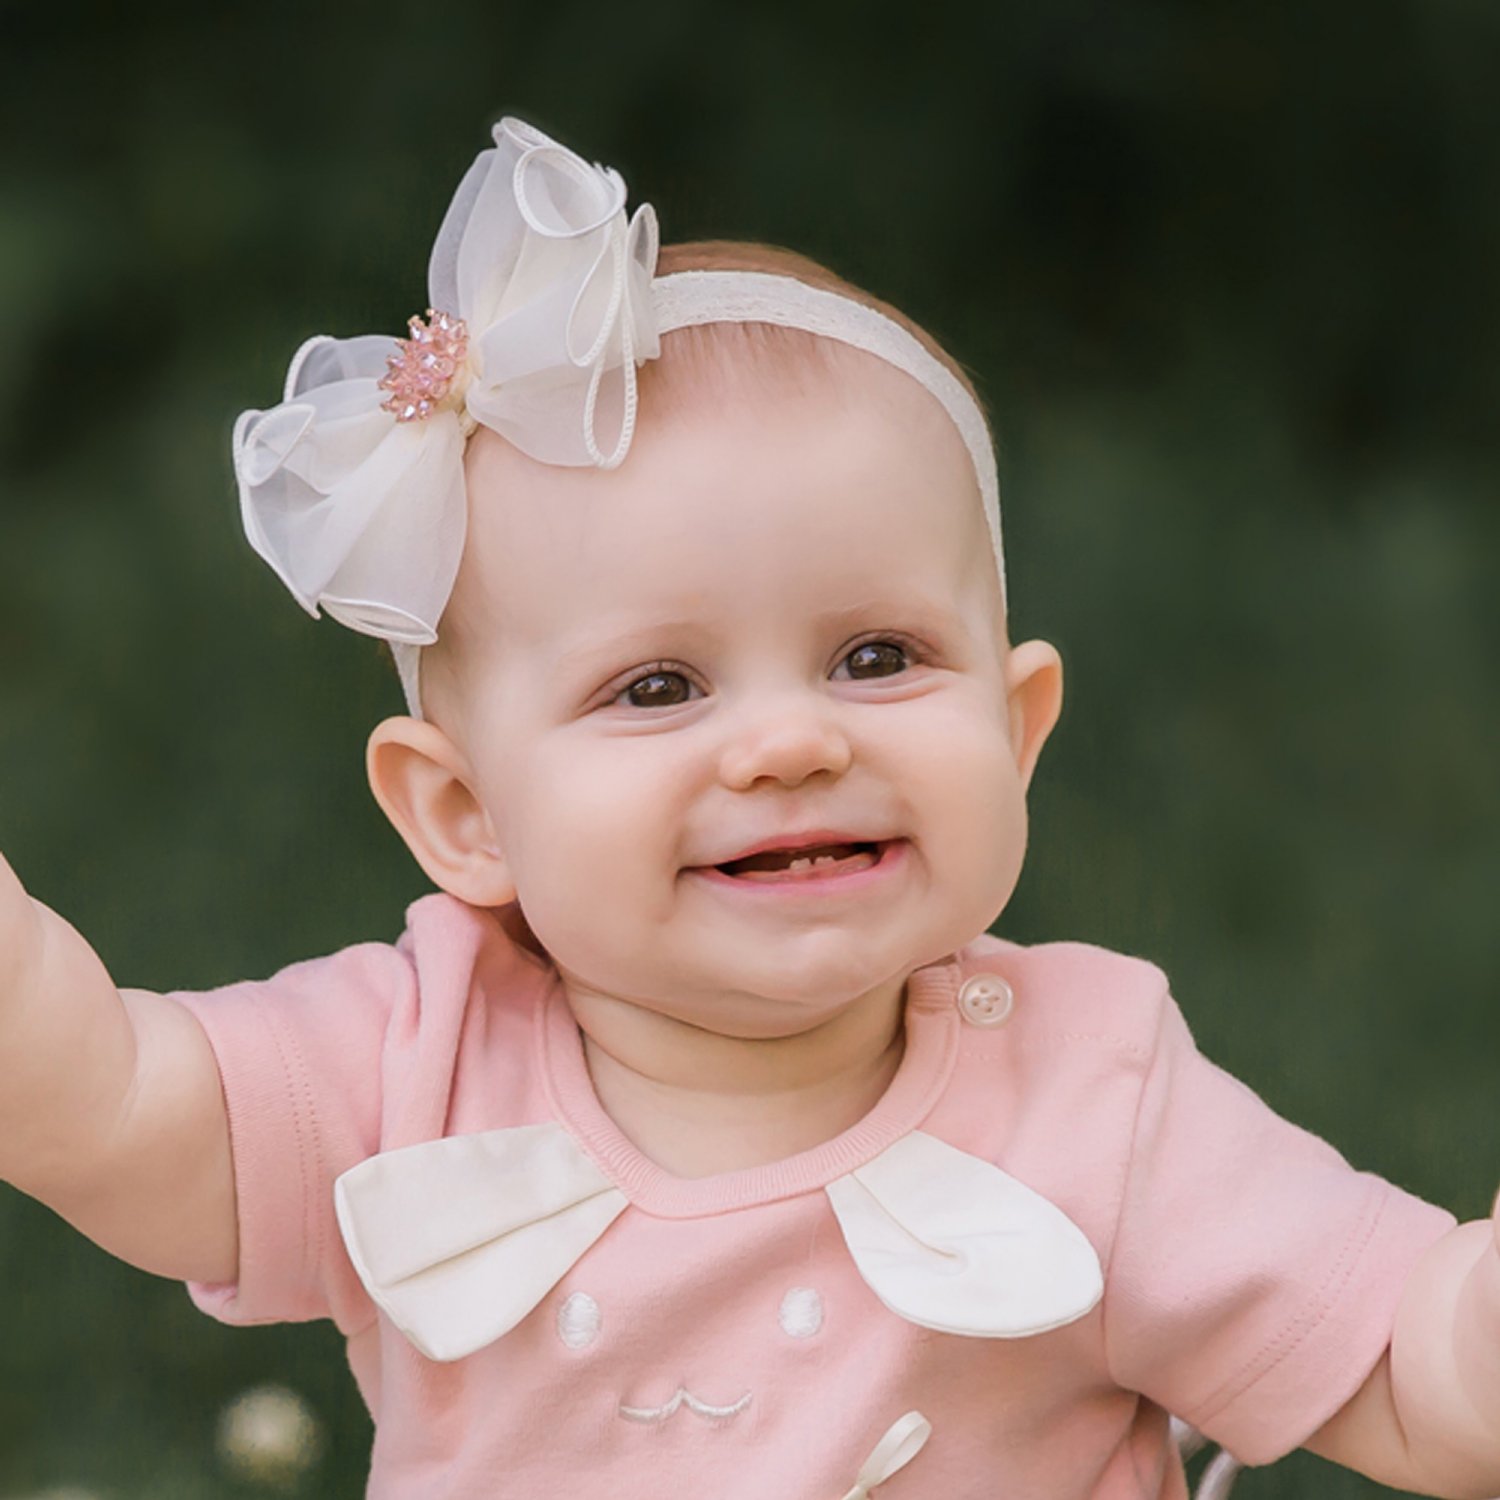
x=421, y=373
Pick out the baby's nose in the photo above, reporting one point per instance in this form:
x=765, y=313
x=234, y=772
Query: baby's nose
x=788, y=743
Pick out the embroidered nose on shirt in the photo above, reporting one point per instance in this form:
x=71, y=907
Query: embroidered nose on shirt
x=986, y=1000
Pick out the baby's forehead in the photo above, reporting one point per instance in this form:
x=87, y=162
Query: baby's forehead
x=864, y=492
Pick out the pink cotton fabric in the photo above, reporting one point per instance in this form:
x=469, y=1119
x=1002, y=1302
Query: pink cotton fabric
x=1251, y=1276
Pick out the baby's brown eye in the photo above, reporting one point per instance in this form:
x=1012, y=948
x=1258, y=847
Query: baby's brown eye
x=658, y=690
x=877, y=659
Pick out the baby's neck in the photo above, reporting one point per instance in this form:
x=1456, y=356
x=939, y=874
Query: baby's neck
x=698, y=1103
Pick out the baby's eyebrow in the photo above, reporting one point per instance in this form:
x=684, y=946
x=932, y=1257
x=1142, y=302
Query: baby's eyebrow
x=920, y=614
x=610, y=642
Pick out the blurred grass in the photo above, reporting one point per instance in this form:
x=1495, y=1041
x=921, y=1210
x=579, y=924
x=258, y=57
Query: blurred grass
x=1228, y=280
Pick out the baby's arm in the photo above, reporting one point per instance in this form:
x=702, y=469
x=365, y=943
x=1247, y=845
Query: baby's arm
x=1428, y=1419
x=111, y=1112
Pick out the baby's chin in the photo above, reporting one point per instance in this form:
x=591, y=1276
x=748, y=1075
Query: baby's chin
x=767, y=1018
x=817, y=974
x=765, y=1003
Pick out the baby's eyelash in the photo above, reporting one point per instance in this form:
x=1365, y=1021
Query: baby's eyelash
x=663, y=670
x=917, y=652
x=677, y=684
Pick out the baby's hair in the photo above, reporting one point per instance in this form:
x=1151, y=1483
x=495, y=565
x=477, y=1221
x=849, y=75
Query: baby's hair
x=746, y=357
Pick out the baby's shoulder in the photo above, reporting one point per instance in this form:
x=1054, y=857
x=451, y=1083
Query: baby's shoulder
x=465, y=954
x=1074, y=993
x=448, y=957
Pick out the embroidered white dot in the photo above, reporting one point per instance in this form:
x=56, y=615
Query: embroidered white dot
x=801, y=1312
x=579, y=1321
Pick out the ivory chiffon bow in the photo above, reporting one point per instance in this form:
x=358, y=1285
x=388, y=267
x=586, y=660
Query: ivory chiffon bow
x=457, y=1240
x=363, y=515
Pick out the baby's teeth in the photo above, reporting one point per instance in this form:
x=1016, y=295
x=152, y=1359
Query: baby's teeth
x=802, y=862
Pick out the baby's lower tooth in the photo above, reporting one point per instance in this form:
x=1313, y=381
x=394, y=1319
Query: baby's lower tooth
x=799, y=864
x=824, y=859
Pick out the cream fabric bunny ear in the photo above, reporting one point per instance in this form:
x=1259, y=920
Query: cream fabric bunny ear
x=356, y=499
x=951, y=1242
x=457, y=1240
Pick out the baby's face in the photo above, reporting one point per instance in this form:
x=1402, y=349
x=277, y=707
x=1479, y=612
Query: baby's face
x=775, y=627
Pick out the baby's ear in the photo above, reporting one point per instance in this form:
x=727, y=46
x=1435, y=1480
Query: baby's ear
x=1033, y=691
x=424, y=785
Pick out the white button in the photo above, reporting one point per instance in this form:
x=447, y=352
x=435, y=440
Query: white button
x=986, y=1000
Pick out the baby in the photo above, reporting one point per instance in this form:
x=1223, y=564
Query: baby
x=694, y=1138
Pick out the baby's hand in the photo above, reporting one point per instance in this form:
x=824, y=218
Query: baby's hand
x=110, y=1107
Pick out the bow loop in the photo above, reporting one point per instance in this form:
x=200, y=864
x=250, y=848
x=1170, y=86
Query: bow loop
x=263, y=447
x=324, y=481
x=324, y=361
x=559, y=196
x=577, y=296
x=903, y=1440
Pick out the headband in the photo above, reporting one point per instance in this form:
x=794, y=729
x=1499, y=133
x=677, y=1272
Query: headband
x=543, y=302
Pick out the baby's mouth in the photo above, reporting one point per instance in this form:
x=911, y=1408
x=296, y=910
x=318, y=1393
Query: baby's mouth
x=816, y=862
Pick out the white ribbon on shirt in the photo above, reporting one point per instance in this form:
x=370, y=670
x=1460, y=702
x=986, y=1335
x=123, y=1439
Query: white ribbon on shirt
x=904, y=1439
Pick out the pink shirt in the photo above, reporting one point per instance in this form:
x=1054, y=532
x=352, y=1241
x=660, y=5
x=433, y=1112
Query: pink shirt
x=1251, y=1276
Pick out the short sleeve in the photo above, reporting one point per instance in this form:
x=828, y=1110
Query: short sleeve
x=1254, y=1275
x=300, y=1060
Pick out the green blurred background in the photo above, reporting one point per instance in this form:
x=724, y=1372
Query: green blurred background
x=1227, y=276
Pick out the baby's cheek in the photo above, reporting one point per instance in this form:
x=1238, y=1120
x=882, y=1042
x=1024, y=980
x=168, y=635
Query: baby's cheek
x=560, y=833
x=972, y=794
x=980, y=843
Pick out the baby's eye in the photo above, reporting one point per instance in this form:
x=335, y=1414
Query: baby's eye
x=663, y=688
x=875, y=659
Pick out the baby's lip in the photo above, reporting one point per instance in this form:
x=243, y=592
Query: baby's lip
x=792, y=843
